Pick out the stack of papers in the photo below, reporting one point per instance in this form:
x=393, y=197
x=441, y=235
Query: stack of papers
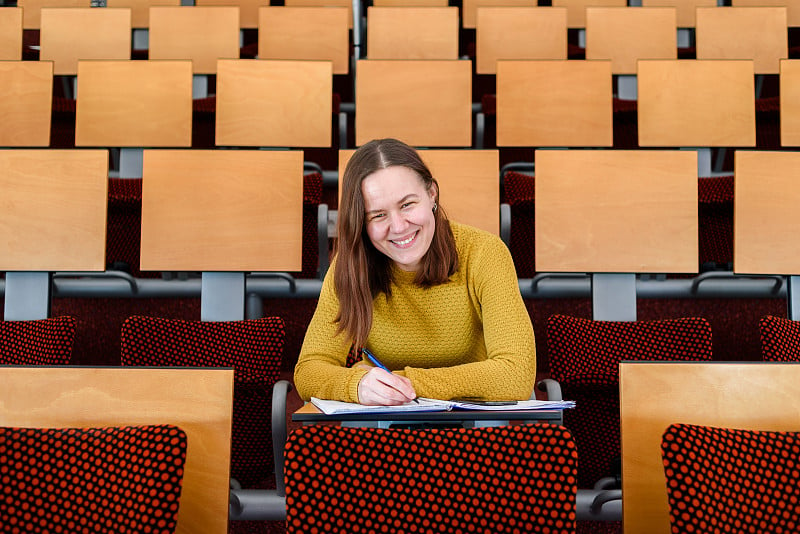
x=331, y=407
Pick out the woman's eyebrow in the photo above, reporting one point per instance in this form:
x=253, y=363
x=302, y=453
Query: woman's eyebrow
x=410, y=196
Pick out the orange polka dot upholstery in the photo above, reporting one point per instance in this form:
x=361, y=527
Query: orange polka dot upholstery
x=733, y=481
x=780, y=339
x=500, y=479
x=43, y=342
x=584, y=359
x=125, y=479
x=252, y=348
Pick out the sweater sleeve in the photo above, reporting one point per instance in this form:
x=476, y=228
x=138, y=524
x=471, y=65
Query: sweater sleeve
x=509, y=370
x=320, y=370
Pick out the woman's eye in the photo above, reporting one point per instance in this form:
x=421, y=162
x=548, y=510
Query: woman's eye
x=407, y=204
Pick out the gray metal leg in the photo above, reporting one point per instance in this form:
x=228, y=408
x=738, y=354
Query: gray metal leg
x=793, y=297
x=222, y=296
x=27, y=296
x=131, y=162
x=614, y=296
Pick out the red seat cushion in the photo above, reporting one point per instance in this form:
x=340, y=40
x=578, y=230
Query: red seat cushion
x=780, y=339
x=43, y=342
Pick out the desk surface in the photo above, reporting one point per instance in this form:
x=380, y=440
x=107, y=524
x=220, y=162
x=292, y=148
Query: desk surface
x=309, y=413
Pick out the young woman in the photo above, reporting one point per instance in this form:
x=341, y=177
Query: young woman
x=437, y=302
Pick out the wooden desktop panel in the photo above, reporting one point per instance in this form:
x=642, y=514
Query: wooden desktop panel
x=31, y=10
x=54, y=210
x=134, y=104
x=792, y=8
x=325, y=3
x=554, y=103
x=412, y=32
x=766, y=237
x=576, y=9
x=222, y=210
x=468, y=182
x=790, y=102
x=519, y=33
x=11, y=33
x=72, y=34
x=424, y=103
x=140, y=9
x=26, y=100
x=248, y=9
x=625, y=35
x=268, y=103
x=317, y=33
x=757, y=33
x=616, y=211
x=685, y=9
x=409, y=3
x=199, y=401
x=200, y=34
x=469, y=9
x=696, y=103
x=756, y=396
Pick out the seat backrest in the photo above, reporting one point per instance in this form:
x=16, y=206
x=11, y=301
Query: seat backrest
x=422, y=102
x=653, y=395
x=412, y=32
x=576, y=9
x=757, y=33
x=74, y=479
x=468, y=181
x=269, y=103
x=584, y=359
x=713, y=475
x=134, y=104
x=252, y=348
x=140, y=9
x=626, y=35
x=70, y=34
x=325, y=3
x=439, y=480
x=518, y=33
x=26, y=101
x=42, y=342
x=410, y=3
x=554, y=103
x=199, y=401
x=248, y=10
x=469, y=10
x=202, y=34
x=11, y=33
x=696, y=103
x=318, y=33
x=780, y=339
x=686, y=9
x=790, y=102
x=32, y=10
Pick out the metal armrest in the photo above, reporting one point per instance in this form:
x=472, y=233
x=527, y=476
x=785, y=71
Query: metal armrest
x=599, y=505
x=280, y=430
x=256, y=505
x=505, y=223
x=552, y=387
x=322, y=239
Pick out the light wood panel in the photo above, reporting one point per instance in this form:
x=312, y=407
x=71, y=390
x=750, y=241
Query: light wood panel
x=757, y=33
x=469, y=9
x=696, y=103
x=576, y=9
x=410, y=3
x=519, y=33
x=200, y=34
x=554, y=103
x=424, y=103
x=54, y=210
x=134, y=103
x=199, y=401
x=790, y=102
x=318, y=33
x=31, y=10
x=26, y=100
x=274, y=103
x=412, y=32
x=71, y=34
x=325, y=3
x=766, y=226
x=625, y=35
x=627, y=211
x=469, y=187
x=685, y=9
x=222, y=210
x=792, y=8
x=10, y=33
x=653, y=395
x=140, y=9
x=248, y=9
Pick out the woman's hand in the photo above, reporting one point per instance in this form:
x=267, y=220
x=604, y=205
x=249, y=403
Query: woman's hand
x=378, y=387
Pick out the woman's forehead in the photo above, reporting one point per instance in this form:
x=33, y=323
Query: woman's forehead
x=392, y=183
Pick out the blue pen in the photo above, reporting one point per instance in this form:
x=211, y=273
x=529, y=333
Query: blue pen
x=378, y=363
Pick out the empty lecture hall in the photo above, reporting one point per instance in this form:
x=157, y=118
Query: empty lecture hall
x=604, y=187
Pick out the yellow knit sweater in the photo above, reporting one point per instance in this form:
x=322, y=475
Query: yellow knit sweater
x=469, y=337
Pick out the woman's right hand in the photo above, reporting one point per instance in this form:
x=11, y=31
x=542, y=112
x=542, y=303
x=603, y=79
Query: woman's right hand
x=378, y=387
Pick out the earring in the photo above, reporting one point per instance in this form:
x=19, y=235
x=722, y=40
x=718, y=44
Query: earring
x=434, y=207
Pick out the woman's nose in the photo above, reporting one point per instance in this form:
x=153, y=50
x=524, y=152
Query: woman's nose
x=397, y=222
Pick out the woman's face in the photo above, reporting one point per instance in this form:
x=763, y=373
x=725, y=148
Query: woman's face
x=399, y=215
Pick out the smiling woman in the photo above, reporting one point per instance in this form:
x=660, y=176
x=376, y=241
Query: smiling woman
x=437, y=301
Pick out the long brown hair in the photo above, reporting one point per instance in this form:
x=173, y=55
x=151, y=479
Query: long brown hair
x=362, y=272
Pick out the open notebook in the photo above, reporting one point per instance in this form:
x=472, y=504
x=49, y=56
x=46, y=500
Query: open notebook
x=331, y=407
